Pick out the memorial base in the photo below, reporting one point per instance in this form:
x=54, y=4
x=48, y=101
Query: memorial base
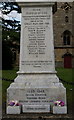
x=13, y=110
x=59, y=110
x=36, y=108
x=36, y=92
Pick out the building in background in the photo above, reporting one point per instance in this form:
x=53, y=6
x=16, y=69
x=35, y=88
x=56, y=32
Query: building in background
x=63, y=34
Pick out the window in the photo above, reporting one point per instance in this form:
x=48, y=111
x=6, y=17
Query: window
x=66, y=19
x=66, y=37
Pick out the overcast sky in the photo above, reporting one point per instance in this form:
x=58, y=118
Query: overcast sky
x=11, y=15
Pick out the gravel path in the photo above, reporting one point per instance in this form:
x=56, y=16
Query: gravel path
x=34, y=116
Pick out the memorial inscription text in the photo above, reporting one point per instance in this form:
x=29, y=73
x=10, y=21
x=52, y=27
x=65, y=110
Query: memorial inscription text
x=35, y=96
x=36, y=23
x=37, y=39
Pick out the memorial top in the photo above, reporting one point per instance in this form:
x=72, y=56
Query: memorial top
x=35, y=0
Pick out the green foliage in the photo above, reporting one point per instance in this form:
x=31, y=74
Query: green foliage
x=10, y=27
x=10, y=34
x=7, y=7
x=6, y=56
x=9, y=24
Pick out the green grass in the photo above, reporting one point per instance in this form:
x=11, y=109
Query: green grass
x=66, y=75
x=0, y=88
x=9, y=74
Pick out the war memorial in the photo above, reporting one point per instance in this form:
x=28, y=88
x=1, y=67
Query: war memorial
x=36, y=86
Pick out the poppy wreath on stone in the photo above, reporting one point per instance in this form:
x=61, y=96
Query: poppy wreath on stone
x=14, y=103
x=59, y=103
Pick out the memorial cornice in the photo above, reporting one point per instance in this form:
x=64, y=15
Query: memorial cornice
x=35, y=2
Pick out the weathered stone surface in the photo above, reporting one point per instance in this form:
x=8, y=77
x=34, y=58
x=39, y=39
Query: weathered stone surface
x=13, y=110
x=36, y=83
x=37, y=37
x=33, y=95
x=59, y=110
x=36, y=108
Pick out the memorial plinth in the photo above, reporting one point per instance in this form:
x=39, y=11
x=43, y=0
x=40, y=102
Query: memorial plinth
x=36, y=87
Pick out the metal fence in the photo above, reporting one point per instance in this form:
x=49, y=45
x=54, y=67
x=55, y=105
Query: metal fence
x=61, y=80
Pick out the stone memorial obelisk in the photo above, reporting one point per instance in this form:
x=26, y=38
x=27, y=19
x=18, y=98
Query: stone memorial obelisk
x=36, y=87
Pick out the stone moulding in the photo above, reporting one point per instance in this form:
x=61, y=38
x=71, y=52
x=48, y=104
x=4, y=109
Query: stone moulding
x=26, y=4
